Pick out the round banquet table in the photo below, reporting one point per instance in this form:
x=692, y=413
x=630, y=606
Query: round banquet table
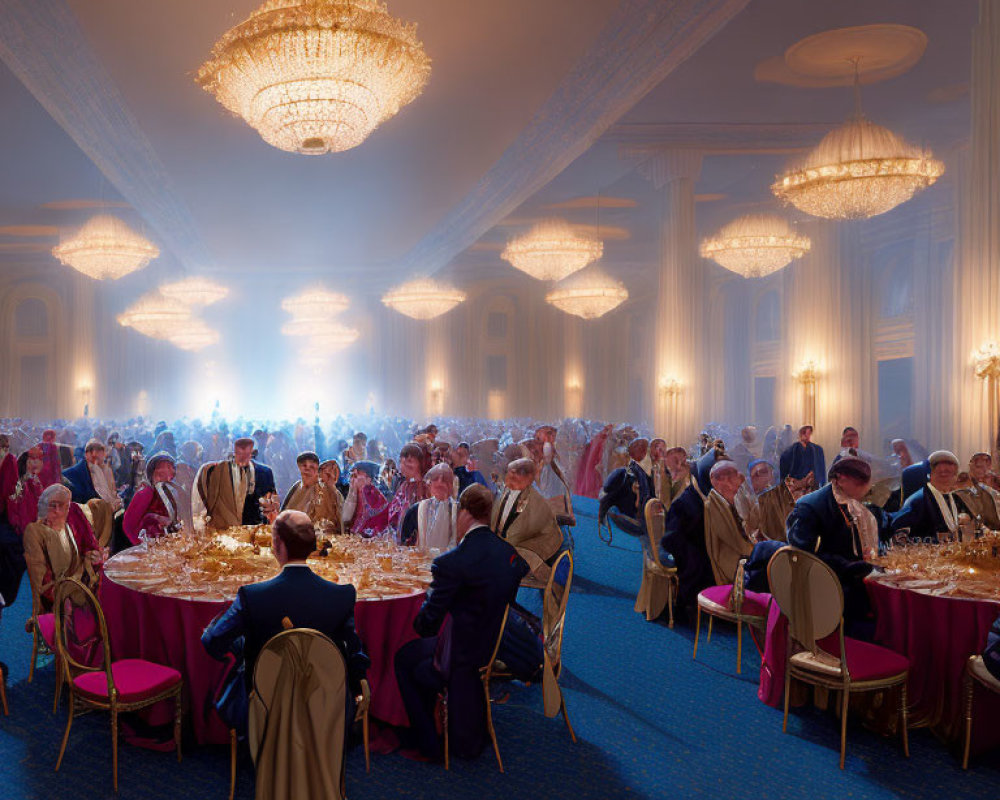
x=167, y=630
x=938, y=633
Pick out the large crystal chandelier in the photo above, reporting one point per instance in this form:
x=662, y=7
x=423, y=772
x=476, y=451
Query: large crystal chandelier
x=315, y=304
x=755, y=245
x=589, y=295
x=106, y=248
x=195, y=335
x=423, y=298
x=858, y=170
x=195, y=291
x=156, y=316
x=316, y=76
x=552, y=250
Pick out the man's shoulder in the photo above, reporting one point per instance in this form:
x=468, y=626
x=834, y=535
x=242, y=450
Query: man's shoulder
x=290, y=578
x=814, y=501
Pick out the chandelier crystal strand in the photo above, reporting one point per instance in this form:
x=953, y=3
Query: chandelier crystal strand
x=552, y=250
x=315, y=304
x=105, y=248
x=859, y=170
x=156, y=316
x=755, y=245
x=317, y=76
x=423, y=298
x=590, y=295
x=195, y=291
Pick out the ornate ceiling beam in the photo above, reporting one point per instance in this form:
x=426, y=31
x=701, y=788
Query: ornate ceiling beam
x=42, y=43
x=642, y=43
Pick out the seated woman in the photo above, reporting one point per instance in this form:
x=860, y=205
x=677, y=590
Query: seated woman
x=154, y=507
x=22, y=504
x=60, y=544
x=364, y=502
x=413, y=464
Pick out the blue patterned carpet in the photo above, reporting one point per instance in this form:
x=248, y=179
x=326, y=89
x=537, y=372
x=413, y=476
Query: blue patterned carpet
x=651, y=724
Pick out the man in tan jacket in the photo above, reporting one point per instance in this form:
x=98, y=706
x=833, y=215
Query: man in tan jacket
x=726, y=537
x=524, y=518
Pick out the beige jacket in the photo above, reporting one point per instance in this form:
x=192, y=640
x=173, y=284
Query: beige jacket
x=530, y=527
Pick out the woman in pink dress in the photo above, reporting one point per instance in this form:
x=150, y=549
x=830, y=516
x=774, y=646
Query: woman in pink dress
x=22, y=504
x=588, y=475
x=154, y=507
x=414, y=461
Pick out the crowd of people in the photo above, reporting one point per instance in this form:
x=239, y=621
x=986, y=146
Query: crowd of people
x=490, y=501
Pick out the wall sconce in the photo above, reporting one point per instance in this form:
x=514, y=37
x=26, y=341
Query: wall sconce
x=807, y=375
x=574, y=397
x=987, y=366
x=85, y=391
x=436, y=397
x=670, y=391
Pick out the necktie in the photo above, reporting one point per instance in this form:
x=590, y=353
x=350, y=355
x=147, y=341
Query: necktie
x=855, y=536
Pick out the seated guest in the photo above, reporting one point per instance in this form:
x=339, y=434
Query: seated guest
x=154, y=507
x=11, y=546
x=430, y=524
x=92, y=478
x=297, y=593
x=413, y=463
x=358, y=451
x=310, y=495
x=726, y=537
x=187, y=468
x=523, y=517
x=982, y=500
x=331, y=477
x=231, y=492
x=460, y=462
x=914, y=477
x=589, y=471
x=60, y=544
x=676, y=460
x=627, y=489
x=802, y=458
x=551, y=478
x=834, y=524
x=22, y=503
x=748, y=449
x=776, y=504
x=134, y=472
x=991, y=655
x=684, y=543
x=57, y=457
x=364, y=502
x=932, y=512
x=8, y=472
x=659, y=474
x=473, y=583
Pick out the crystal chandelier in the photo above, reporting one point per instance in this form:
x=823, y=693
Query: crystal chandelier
x=315, y=304
x=423, y=298
x=195, y=291
x=195, y=335
x=552, y=250
x=316, y=76
x=156, y=316
x=320, y=333
x=590, y=295
x=106, y=248
x=755, y=245
x=858, y=170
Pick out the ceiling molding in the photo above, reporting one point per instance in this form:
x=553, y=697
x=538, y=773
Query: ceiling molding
x=643, y=42
x=42, y=43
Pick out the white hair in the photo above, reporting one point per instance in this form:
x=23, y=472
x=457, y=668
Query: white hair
x=722, y=466
x=47, y=494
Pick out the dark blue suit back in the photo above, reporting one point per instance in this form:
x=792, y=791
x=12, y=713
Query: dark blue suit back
x=81, y=485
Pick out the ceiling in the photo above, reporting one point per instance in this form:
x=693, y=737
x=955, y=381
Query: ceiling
x=364, y=218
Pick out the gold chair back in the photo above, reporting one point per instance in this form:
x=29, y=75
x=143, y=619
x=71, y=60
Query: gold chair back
x=299, y=695
x=808, y=592
x=71, y=594
x=655, y=522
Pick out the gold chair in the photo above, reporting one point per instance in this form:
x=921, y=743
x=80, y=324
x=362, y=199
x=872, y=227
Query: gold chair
x=975, y=672
x=130, y=684
x=811, y=597
x=659, y=582
x=554, y=601
x=42, y=628
x=731, y=604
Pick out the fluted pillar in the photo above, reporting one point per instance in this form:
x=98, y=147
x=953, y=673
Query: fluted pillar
x=81, y=388
x=977, y=266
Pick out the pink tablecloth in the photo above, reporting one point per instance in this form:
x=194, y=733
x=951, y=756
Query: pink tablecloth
x=937, y=634
x=167, y=630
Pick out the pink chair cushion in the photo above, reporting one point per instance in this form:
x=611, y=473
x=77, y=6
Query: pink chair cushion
x=47, y=629
x=134, y=679
x=868, y=662
x=754, y=603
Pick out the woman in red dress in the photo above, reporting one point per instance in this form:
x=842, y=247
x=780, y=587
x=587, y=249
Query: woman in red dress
x=589, y=477
x=154, y=507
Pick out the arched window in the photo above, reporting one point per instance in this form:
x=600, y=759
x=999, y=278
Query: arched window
x=498, y=341
x=768, y=320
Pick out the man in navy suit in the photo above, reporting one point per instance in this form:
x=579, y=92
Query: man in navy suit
x=833, y=523
x=803, y=457
x=684, y=541
x=934, y=508
x=627, y=489
x=460, y=463
x=297, y=593
x=79, y=479
x=472, y=583
x=915, y=477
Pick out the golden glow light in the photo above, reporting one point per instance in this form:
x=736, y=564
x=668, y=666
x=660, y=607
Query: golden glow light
x=194, y=335
x=315, y=305
x=105, y=248
x=859, y=170
x=195, y=291
x=423, y=298
x=156, y=316
x=316, y=76
x=755, y=245
x=590, y=295
x=552, y=250
x=987, y=360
